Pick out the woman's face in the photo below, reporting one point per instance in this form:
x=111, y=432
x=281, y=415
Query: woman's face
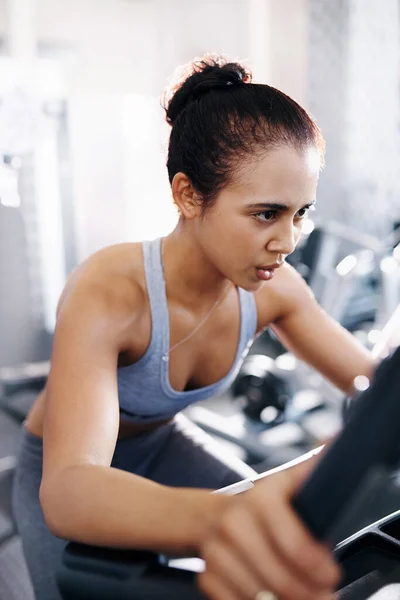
x=257, y=219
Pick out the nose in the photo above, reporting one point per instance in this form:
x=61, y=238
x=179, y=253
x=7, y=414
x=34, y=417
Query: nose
x=284, y=239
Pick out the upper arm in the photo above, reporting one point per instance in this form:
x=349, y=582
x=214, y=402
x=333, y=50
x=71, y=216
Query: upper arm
x=81, y=415
x=312, y=335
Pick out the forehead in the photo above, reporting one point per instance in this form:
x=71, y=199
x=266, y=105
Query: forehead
x=281, y=171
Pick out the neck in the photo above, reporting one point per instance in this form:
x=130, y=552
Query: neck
x=189, y=276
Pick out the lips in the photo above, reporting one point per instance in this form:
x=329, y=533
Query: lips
x=266, y=272
x=269, y=267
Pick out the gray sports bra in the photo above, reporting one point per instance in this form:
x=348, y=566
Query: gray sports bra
x=144, y=390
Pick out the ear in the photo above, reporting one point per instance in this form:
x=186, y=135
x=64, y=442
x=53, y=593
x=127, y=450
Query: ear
x=185, y=197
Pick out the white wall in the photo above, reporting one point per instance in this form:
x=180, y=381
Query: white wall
x=113, y=41
x=373, y=114
x=108, y=39
x=186, y=29
x=289, y=47
x=3, y=17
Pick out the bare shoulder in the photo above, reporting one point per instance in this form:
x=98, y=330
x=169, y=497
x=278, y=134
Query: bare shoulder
x=111, y=281
x=281, y=296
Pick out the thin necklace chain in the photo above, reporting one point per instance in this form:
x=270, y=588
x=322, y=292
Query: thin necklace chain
x=204, y=319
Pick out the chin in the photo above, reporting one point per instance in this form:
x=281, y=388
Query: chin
x=250, y=284
x=258, y=286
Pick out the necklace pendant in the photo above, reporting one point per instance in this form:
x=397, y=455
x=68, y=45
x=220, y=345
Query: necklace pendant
x=165, y=357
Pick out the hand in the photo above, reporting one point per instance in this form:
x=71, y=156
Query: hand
x=259, y=543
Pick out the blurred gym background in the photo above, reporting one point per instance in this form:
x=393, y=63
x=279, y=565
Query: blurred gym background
x=82, y=136
x=82, y=166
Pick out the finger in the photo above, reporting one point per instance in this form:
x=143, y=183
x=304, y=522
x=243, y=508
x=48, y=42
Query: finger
x=293, y=477
x=215, y=588
x=256, y=564
x=274, y=575
x=300, y=464
x=294, y=543
x=290, y=475
x=222, y=559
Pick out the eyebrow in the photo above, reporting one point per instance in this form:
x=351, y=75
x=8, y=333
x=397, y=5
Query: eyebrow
x=276, y=206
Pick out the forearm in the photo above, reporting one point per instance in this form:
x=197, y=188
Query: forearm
x=108, y=507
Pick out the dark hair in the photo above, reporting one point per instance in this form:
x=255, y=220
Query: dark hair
x=218, y=116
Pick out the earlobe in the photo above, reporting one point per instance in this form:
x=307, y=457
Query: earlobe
x=185, y=197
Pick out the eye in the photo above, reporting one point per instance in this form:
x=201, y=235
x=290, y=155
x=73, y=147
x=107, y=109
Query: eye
x=269, y=215
x=303, y=212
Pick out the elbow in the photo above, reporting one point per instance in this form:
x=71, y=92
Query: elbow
x=52, y=502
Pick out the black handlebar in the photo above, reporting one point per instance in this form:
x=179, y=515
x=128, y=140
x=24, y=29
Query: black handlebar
x=366, y=450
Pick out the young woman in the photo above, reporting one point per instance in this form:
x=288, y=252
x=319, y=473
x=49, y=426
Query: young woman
x=143, y=330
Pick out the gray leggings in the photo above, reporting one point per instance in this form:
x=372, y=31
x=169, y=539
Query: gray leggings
x=176, y=454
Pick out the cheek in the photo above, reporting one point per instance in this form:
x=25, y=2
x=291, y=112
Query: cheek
x=228, y=234
x=230, y=245
x=224, y=227
x=297, y=234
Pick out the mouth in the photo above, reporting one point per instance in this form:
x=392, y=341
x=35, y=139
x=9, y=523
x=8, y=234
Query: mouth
x=269, y=267
x=266, y=272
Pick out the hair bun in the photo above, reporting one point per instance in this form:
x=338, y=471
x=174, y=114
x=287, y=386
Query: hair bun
x=198, y=77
